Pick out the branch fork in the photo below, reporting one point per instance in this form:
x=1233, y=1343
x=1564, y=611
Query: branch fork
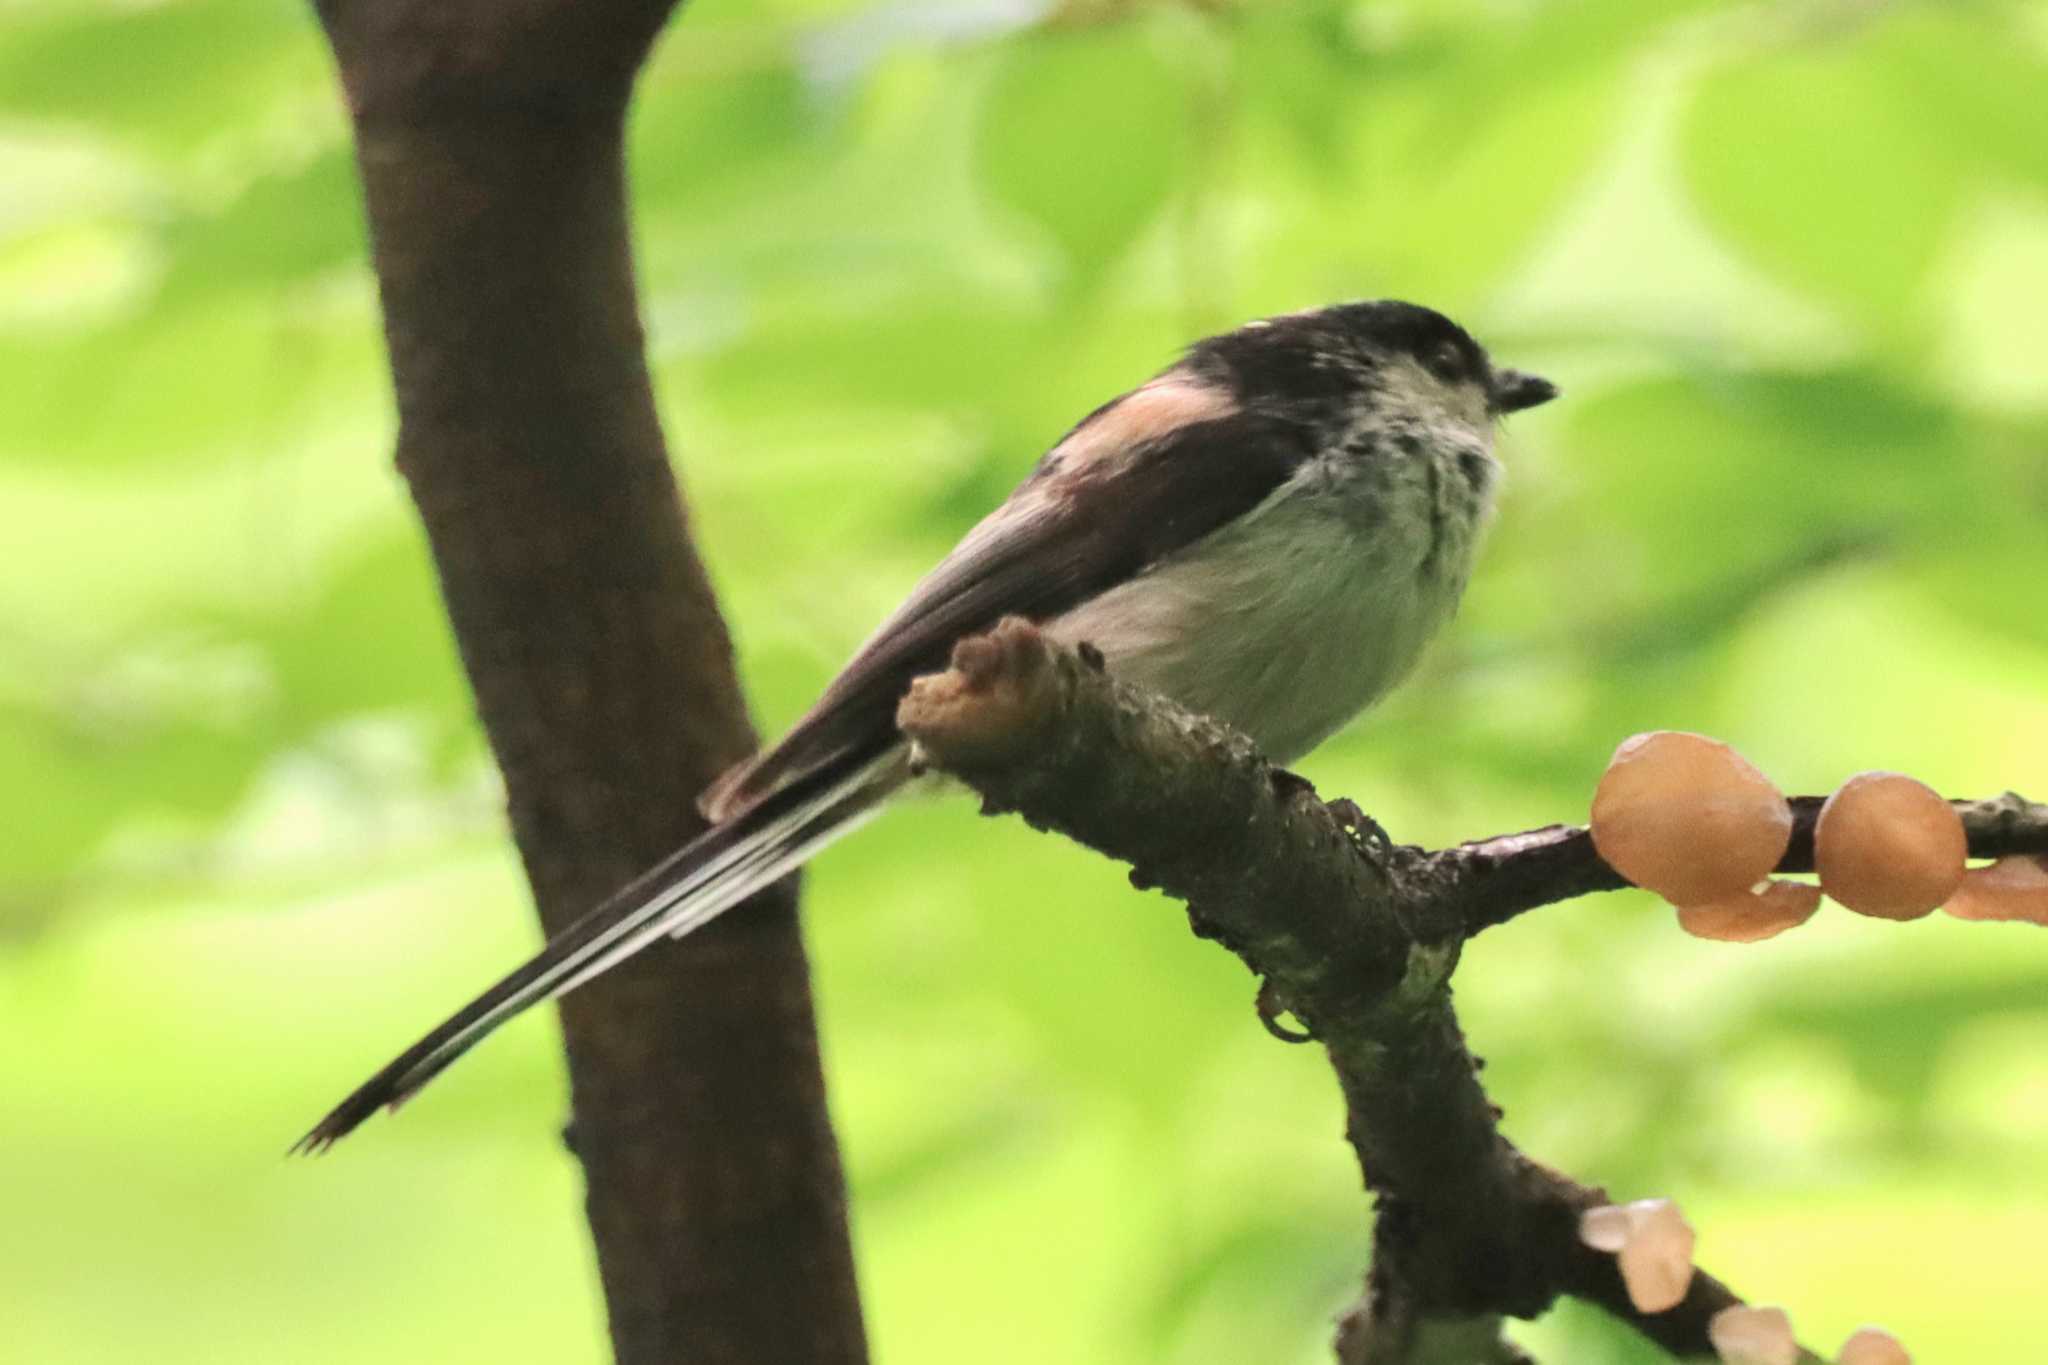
x=1357, y=938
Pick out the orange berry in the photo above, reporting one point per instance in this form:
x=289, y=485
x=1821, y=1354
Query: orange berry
x=1688, y=818
x=1750, y=916
x=1889, y=846
x=1753, y=1336
x=1652, y=1244
x=1656, y=1261
x=2011, y=888
x=1873, y=1346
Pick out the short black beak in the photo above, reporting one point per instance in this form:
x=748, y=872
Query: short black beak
x=1514, y=391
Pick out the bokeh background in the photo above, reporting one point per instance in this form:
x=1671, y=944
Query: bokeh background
x=1789, y=261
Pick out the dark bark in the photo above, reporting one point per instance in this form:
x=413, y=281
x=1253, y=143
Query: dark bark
x=489, y=138
x=1357, y=938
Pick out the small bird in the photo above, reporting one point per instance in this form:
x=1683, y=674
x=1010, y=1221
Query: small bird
x=1268, y=532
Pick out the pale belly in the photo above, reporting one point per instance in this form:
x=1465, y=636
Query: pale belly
x=1286, y=628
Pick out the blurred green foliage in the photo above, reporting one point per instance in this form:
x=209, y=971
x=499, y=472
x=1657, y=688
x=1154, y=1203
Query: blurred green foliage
x=1790, y=263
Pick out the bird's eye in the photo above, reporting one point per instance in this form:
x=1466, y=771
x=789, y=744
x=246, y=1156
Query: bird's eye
x=1447, y=361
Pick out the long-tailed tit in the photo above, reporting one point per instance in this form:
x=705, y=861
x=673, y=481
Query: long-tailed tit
x=1268, y=532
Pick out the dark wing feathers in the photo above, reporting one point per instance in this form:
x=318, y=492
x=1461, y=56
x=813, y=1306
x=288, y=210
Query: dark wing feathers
x=1074, y=528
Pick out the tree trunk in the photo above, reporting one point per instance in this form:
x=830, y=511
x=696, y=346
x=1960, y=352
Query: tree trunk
x=489, y=138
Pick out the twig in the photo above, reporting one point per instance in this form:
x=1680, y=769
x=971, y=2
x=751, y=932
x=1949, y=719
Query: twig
x=1357, y=939
x=1493, y=880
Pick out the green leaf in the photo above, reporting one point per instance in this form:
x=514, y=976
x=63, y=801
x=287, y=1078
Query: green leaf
x=698, y=135
x=1434, y=162
x=1976, y=76
x=283, y=229
x=1454, y=184
x=1698, y=483
x=69, y=815
x=376, y=639
x=236, y=371
x=167, y=78
x=130, y=743
x=1084, y=135
x=1840, y=165
x=1297, y=64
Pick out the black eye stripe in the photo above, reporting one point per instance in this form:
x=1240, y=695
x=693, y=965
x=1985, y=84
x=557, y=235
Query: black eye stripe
x=1324, y=357
x=1454, y=360
x=1447, y=361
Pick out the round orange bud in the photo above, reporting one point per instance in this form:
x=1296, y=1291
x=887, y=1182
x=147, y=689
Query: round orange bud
x=1653, y=1245
x=1750, y=916
x=1656, y=1261
x=1688, y=818
x=1889, y=846
x=1753, y=1336
x=2011, y=888
x=1873, y=1346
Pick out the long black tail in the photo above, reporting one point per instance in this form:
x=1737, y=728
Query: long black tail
x=688, y=889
